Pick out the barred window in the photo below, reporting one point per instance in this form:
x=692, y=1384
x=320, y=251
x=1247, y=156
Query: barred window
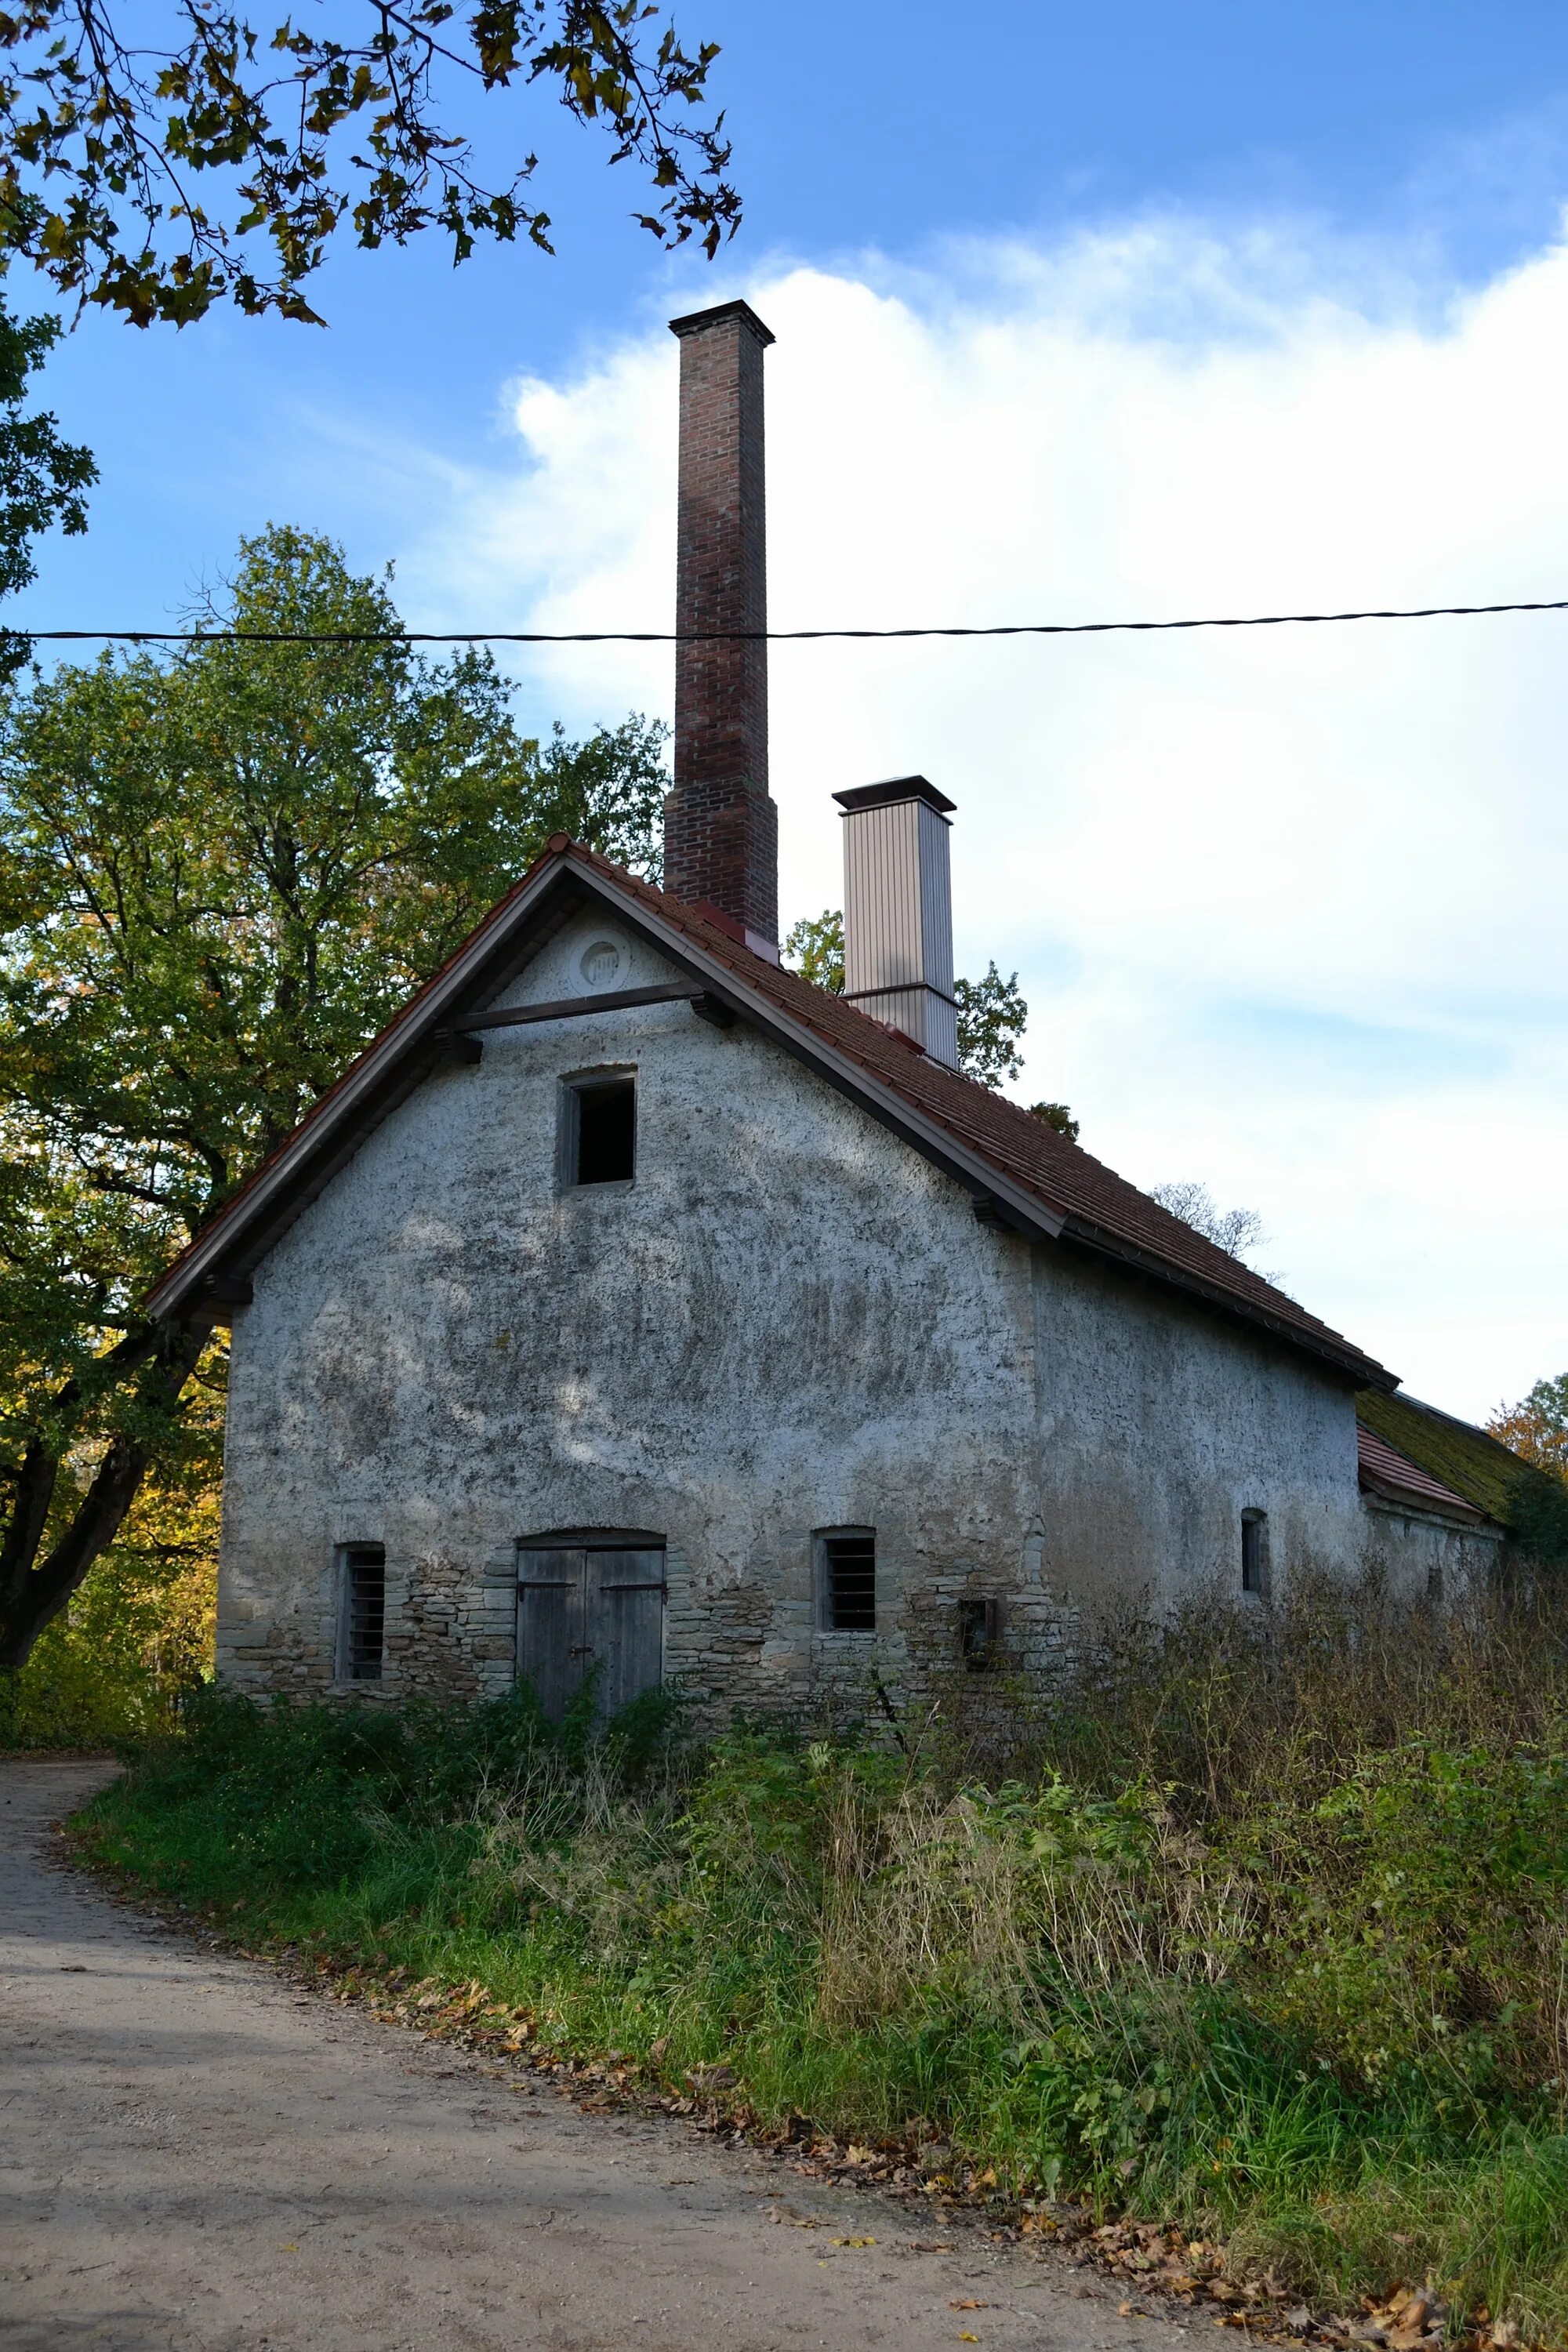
x=363, y=1621
x=846, y=1575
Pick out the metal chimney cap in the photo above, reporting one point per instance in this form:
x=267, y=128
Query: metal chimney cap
x=697, y=322
x=896, y=788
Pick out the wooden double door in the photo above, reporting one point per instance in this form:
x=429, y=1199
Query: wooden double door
x=590, y=1605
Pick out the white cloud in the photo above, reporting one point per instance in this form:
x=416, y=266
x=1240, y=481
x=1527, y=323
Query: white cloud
x=1287, y=905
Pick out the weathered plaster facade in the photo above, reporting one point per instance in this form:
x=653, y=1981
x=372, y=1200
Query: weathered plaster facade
x=1160, y=1427
x=1426, y=1556
x=789, y=1321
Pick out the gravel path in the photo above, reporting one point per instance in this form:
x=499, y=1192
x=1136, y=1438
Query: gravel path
x=197, y=2157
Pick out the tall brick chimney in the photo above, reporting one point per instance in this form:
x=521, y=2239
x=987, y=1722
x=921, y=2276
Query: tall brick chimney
x=721, y=829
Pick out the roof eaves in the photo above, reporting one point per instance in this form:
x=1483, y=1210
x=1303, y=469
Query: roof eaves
x=1418, y=1504
x=1341, y=1354
x=985, y=1181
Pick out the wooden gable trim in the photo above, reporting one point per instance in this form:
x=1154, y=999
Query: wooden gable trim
x=454, y=1005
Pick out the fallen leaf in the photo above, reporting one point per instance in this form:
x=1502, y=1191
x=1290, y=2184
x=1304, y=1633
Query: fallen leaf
x=851, y=2242
x=968, y=2304
x=710, y=2078
x=965, y=2336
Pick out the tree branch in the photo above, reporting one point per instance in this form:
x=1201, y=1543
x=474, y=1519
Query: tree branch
x=38, y=1594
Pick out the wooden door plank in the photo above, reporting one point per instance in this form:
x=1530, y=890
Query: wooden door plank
x=552, y=1636
x=624, y=1594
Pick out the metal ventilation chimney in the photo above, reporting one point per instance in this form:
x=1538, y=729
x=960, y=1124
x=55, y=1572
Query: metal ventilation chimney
x=898, y=910
x=721, y=829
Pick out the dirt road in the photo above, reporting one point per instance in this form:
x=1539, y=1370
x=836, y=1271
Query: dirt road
x=199, y=2158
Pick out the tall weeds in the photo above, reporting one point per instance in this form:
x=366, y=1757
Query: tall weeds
x=1262, y=1924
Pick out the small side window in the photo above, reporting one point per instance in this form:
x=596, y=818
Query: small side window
x=1255, y=1552
x=363, y=1621
x=599, y=1125
x=846, y=1578
x=979, y=1629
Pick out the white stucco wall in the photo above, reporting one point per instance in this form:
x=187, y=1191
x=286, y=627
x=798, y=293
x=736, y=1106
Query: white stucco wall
x=1160, y=1427
x=788, y=1321
x=1426, y=1557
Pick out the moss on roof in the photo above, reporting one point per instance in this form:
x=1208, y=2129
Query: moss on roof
x=1475, y=1464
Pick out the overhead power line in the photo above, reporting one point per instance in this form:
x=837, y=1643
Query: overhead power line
x=745, y=636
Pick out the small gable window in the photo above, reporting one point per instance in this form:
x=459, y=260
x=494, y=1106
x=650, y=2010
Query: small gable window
x=1255, y=1552
x=846, y=1579
x=598, y=1124
x=979, y=1629
x=362, y=1572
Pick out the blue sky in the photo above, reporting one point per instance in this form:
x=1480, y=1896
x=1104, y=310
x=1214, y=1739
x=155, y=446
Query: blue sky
x=1126, y=310
x=1438, y=130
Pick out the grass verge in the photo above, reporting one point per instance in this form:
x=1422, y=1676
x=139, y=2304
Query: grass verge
x=1285, y=1973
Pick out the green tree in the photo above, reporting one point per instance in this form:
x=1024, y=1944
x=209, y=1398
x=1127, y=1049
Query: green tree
x=1058, y=1116
x=219, y=875
x=156, y=179
x=991, y=1011
x=991, y=1016
x=816, y=948
x=43, y=479
x=1536, y=1428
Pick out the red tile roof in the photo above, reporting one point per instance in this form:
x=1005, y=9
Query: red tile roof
x=1385, y=1471
x=1096, y=1206
x=1095, y=1200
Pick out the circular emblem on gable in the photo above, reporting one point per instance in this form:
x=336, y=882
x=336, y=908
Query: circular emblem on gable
x=600, y=963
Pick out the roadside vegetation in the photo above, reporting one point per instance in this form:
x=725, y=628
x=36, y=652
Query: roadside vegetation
x=1257, y=1931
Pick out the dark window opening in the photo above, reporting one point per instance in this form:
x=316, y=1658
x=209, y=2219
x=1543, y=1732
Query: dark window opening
x=849, y=1581
x=364, y=1612
x=604, y=1133
x=1253, y=1524
x=979, y=1624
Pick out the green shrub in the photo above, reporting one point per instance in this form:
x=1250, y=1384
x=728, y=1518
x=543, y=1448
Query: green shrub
x=1260, y=1931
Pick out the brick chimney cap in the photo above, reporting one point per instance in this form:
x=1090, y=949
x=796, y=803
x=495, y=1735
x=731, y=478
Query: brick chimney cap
x=697, y=322
x=896, y=788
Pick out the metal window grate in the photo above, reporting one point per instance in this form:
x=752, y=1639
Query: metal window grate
x=849, y=1582
x=364, y=1612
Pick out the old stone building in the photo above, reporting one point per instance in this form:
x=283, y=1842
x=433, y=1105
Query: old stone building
x=633, y=1306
